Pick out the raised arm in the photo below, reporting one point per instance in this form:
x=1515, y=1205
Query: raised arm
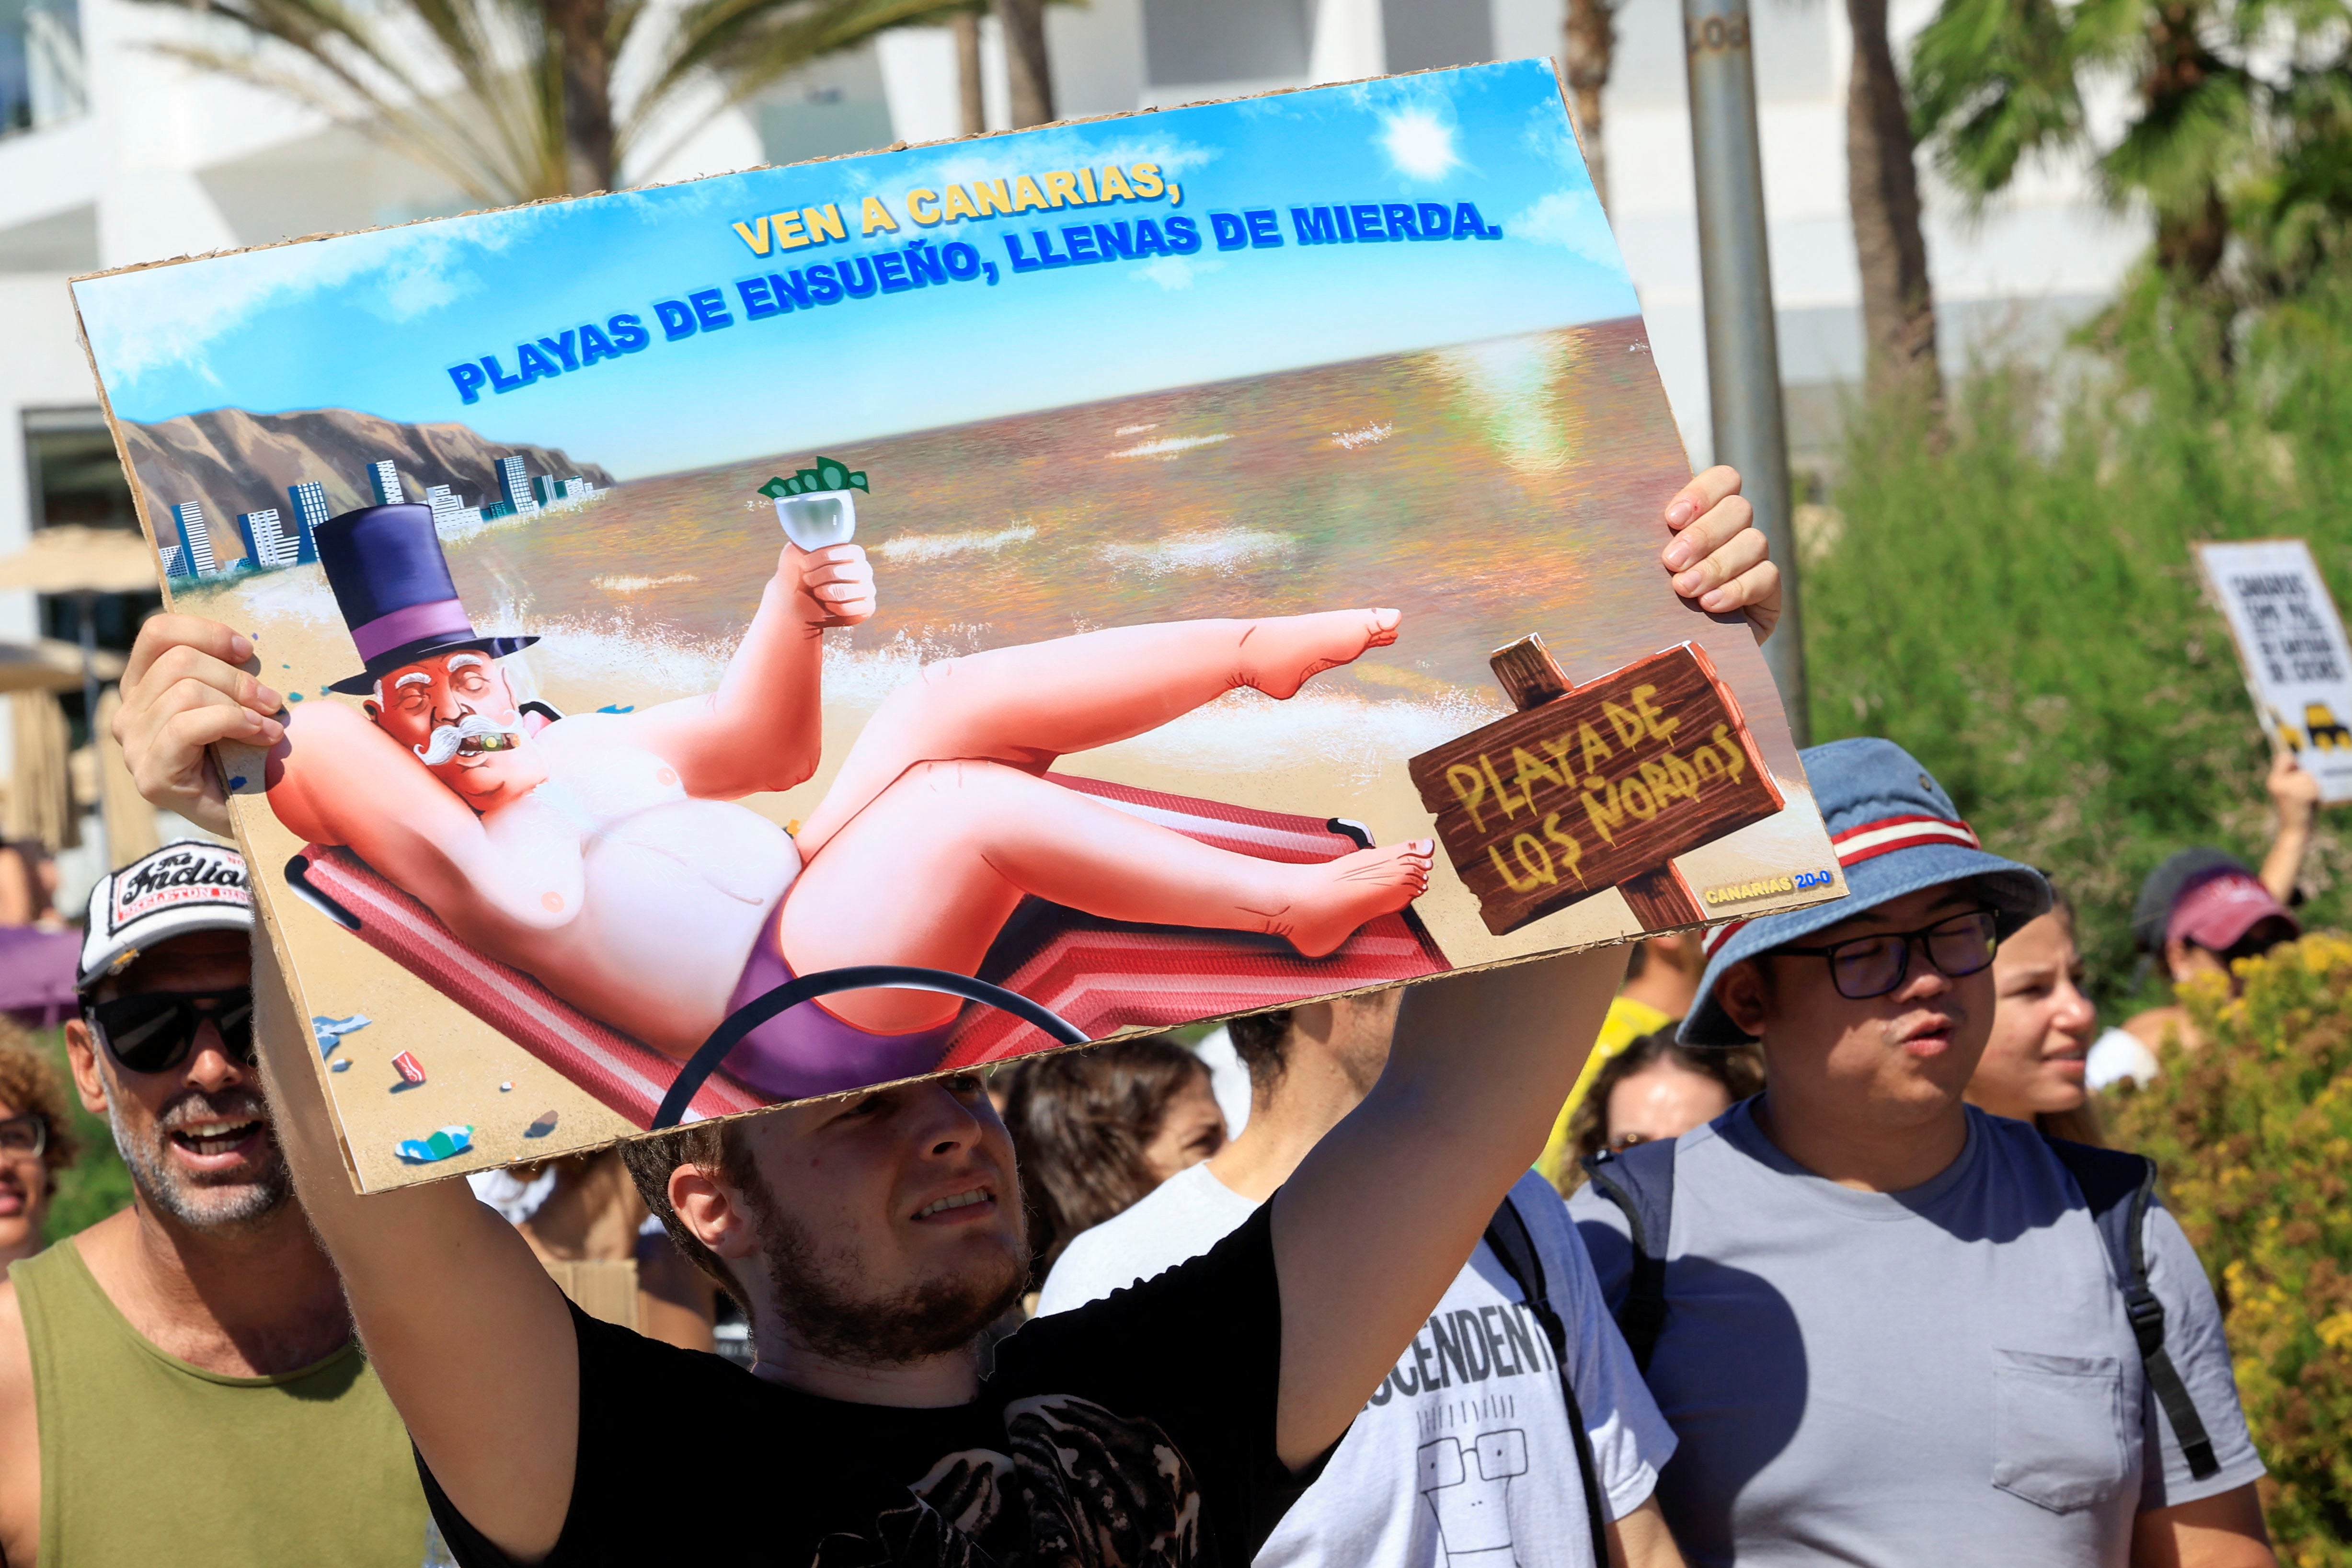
x=1380, y=1217
x=2295, y=793
x=1377, y=1220
x=470, y=1336
x=762, y=728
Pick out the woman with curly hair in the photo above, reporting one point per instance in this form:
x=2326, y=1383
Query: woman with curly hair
x=37, y=1142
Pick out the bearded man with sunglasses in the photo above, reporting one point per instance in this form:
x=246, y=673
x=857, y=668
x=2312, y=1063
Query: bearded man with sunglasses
x=1886, y=1327
x=180, y=1383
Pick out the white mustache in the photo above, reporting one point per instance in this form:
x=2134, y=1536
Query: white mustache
x=447, y=737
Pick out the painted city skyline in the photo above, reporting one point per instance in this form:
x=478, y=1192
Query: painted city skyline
x=275, y=539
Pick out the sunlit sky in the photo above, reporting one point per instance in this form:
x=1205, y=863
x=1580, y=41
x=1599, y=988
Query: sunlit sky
x=372, y=321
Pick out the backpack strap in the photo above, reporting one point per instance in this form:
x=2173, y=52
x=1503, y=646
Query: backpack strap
x=1506, y=1233
x=1641, y=1181
x=2118, y=1186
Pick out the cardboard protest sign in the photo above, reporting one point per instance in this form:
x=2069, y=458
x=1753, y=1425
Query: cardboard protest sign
x=2291, y=645
x=1599, y=786
x=819, y=627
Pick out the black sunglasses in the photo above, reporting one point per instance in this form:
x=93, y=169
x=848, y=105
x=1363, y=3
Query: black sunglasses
x=2257, y=943
x=1870, y=967
x=152, y=1032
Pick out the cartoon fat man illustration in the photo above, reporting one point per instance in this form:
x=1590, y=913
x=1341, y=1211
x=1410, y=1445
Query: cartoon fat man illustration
x=603, y=853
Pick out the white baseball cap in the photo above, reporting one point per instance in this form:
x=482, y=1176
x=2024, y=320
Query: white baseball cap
x=187, y=886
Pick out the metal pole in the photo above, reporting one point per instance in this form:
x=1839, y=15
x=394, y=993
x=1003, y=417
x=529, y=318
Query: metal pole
x=1743, y=351
x=89, y=715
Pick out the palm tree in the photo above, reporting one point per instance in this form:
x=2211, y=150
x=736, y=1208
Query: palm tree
x=970, y=94
x=515, y=101
x=2220, y=92
x=1588, y=54
x=1898, y=304
x=1028, y=72
x=1882, y=183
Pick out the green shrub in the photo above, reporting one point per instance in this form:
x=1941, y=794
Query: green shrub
x=2016, y=603
x=2253, y=1134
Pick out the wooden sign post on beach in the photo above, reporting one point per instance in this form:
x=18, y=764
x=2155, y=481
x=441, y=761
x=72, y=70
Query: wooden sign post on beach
x=1593, y=787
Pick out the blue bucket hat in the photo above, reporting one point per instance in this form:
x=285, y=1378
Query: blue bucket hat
x=1895, y=831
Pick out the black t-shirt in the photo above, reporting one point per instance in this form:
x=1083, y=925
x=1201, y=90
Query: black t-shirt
x=1137, y=1431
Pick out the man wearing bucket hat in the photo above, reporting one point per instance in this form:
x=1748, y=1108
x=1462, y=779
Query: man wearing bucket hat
x=200, y=1334
x=1886, y=1327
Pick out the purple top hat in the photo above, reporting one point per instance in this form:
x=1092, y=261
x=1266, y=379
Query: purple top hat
x=392, y=583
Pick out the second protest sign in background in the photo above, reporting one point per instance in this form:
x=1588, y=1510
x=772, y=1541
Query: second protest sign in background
x=1037, y=561
x=2291, y=645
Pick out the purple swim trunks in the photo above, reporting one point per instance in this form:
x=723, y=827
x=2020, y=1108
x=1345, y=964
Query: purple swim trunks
x=804, y=1050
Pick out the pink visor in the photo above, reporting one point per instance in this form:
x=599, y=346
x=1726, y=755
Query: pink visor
x=2216, y=913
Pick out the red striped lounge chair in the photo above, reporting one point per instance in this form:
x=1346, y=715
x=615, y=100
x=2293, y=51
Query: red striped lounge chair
x=1101, y=976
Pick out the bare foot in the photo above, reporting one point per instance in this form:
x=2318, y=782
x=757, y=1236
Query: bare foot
x=1337, y=896
x=1279, y=653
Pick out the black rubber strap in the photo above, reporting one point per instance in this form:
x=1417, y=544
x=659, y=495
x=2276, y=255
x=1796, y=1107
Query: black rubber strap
x=1643, y=1311
x=1506, y=1233
x=2146, y=1314
x=826, y=982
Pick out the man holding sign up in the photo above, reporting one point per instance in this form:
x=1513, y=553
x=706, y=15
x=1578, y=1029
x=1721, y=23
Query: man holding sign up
x=1885, y=1326
x=874, y=1238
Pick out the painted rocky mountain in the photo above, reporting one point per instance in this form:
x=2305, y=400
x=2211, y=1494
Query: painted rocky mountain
x=234, y=461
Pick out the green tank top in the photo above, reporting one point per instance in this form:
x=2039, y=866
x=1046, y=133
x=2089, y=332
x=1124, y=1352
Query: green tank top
x=146, y=1458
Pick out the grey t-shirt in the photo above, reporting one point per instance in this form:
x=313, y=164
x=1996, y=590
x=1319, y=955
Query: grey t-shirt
x=1463, y=1455
x=1939, y=1376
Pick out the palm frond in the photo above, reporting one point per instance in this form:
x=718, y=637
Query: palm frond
x=446, y=81
x=475, y=89
x=1992, y=81
x=747, y=46
x=2185, y=145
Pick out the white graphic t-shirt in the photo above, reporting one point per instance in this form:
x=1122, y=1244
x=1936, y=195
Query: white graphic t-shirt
x=1463, y=1458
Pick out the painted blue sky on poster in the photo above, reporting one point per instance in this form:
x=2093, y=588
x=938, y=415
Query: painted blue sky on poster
x=375, y=321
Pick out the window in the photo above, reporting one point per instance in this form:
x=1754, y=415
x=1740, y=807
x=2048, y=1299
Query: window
x=41, y=76
x=76, y=479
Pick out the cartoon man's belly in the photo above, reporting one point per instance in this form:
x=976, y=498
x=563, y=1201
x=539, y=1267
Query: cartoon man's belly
x=674, y=896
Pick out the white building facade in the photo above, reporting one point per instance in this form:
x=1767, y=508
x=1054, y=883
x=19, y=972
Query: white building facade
x=113, y=154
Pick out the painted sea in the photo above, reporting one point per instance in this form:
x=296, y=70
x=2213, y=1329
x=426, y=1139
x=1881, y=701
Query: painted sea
x=1487, y=491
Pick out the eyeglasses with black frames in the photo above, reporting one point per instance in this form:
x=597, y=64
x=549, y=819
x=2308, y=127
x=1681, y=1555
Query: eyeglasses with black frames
x=1869, y=967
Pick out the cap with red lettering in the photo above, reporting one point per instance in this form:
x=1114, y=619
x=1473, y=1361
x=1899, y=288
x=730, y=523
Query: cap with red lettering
x=181, y=888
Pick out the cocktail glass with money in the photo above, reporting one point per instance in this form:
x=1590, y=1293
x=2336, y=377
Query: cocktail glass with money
x=815, y=522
